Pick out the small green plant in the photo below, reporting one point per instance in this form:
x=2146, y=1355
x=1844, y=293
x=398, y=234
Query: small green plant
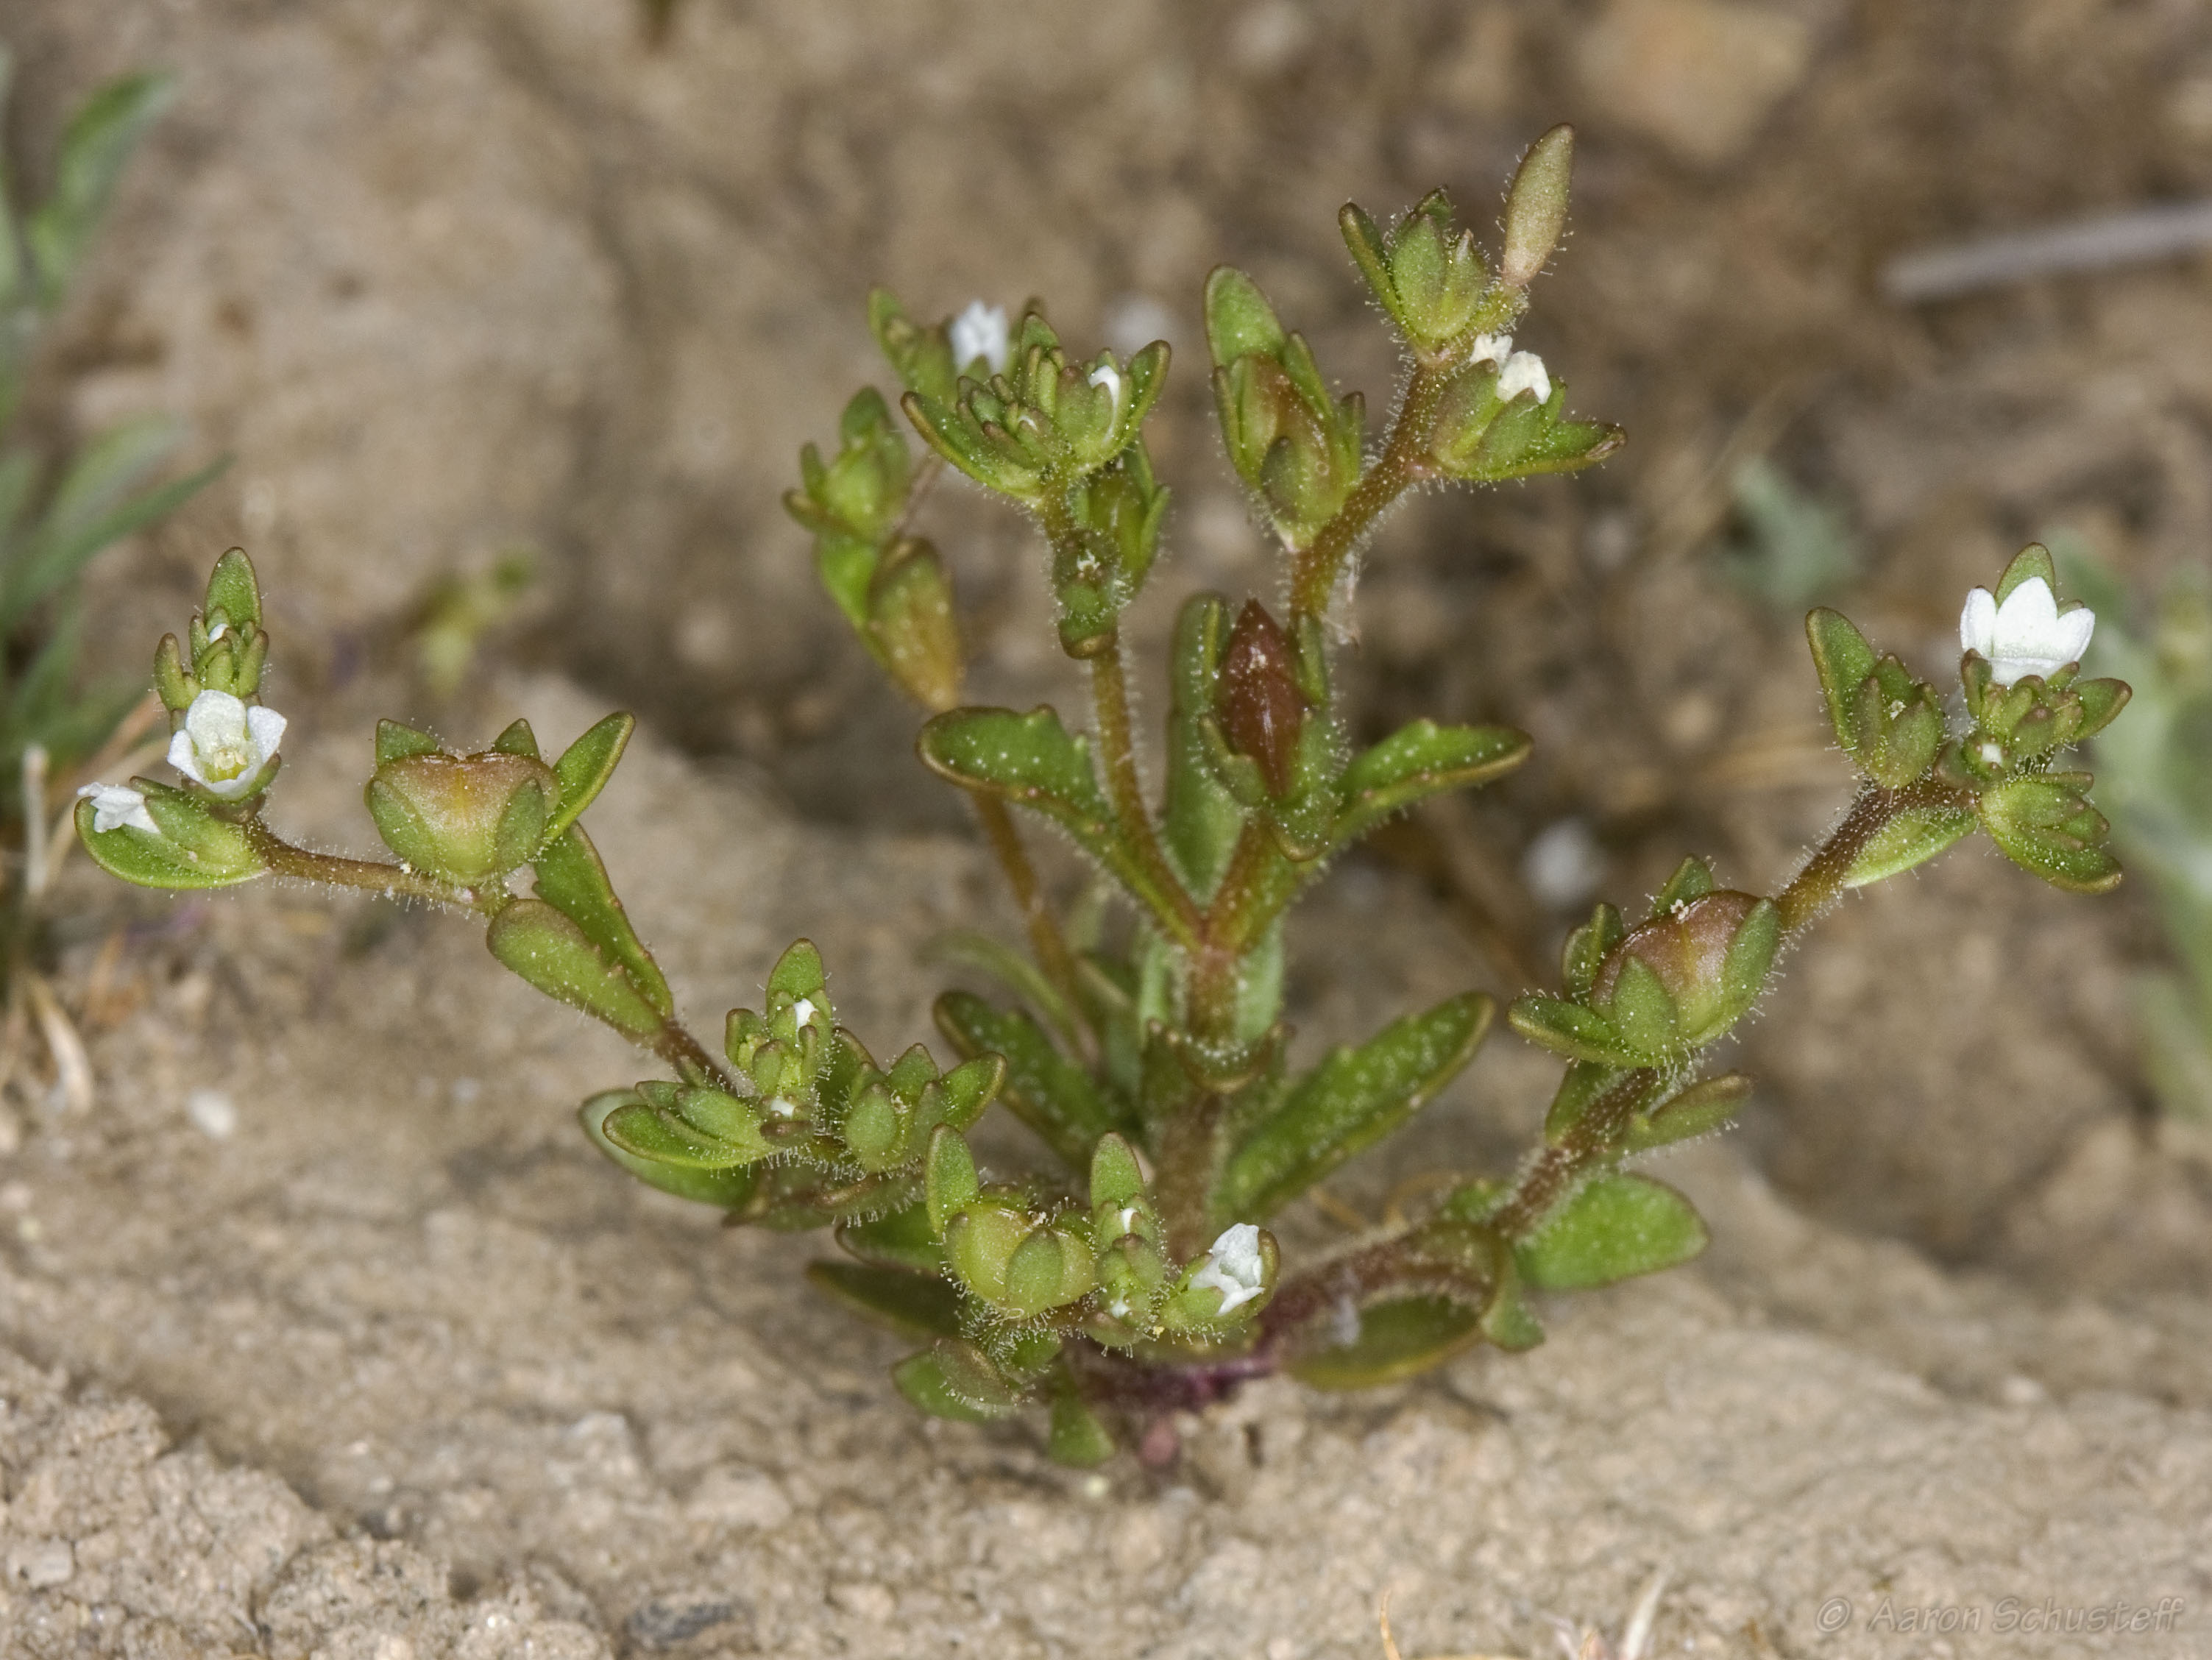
x=2158, y=780
x=56, y=516
x=1133, y=1272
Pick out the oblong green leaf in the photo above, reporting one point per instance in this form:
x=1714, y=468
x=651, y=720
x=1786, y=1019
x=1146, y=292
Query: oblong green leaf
x=1028, y=758
x=550, y=951
x=2045, y=825
x=1419, y=761
x=898, y=1239
x=585, y=767
x=918, y=1305
x=1354, y=1098
x=194, y=850
x=724, y=1189
x=1615, y=1228
x=1912, y=837
x=662, y=1138
x=1397, y=1339
x=1843, y=658
x=955, y=1380
x=1569, y=1029
x=1043, y=1088
x=572, y=880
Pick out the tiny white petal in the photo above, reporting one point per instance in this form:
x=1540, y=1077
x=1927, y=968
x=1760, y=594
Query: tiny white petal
x=802, y=1011
x=115, y=805
x=2072, y=630
x=1109, y=377
x=1234, y=1268
x=1978, y=623
x=1524, y=372
x=217, y=632
x=1491, y=349
x=980, y=331
x=2026, y=634
x=223, y=746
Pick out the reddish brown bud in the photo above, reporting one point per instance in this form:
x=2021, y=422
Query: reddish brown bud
x=1260, y=704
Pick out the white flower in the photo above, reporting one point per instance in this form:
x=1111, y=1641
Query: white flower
x=114, y=806
x=223, y=746
x=1108, y=376
x=1233, y=1268
x=980, y=331
x=1491, y=349
x=2026, y=635
x=1524, y=372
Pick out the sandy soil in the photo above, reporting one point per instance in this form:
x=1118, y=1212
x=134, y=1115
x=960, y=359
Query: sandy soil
x=395, y=1367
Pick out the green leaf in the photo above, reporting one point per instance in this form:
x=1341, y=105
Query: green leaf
x=514, y=739
x=1692, y=879
x=194, y=850
x=585, y=767
x=725, y=1189
x=955, y=1380
x=949, y=1178
x=1643, y=1010
x=572, y=880
x=1033, y=761
x=2045, y=825
x=661, y=1137
x=1569, y=1029
x=1029, y=758
x=1616, y=1227
x=62, y=547
x=233, y=590
x=916, y=1305
x=901, y=1239
x=395, y=742
x=1044, y=1089
x=1116, y=1180
x=550, y=951
x=1698, y=1110
x=1201, y=821
x=1419, y=761
x=1912, y=837
x=2029, y=563
x=1079, y=1437
x=1012, y=969
x=1353, y=1098
x=94, y=147
x=1239, y=321
x=1843, y=659
x=1586, y=948
x=1397, y=1339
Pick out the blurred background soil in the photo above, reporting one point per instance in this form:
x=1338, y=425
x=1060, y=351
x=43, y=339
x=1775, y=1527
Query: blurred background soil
x=448, y=278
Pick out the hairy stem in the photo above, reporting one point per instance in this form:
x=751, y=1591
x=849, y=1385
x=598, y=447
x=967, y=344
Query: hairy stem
x=392, y=881
x=1819, y=883
x=1124, y=787
x=1316, y=567
x=1045, y=937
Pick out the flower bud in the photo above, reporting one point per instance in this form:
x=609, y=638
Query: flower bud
x=1260, y=706
x=466, y=818
x=1707, y=957
x=1536, y=206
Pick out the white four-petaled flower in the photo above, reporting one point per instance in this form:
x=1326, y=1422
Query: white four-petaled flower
x=980, y=331
x=115, y=805
x=2026, y=635
x=1524, y=372
x=1233, y=1268
x=224, y=745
